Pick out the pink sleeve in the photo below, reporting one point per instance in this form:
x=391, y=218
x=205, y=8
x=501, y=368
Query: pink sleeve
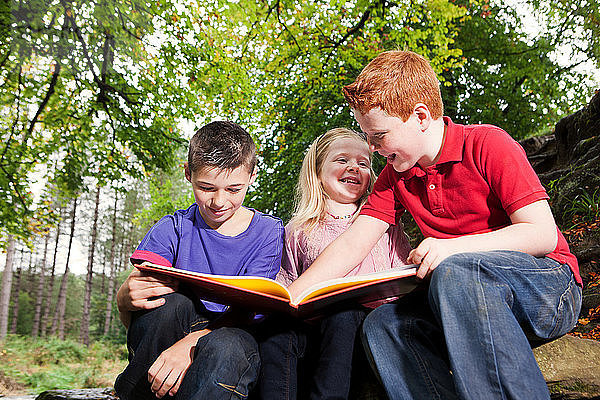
x=399, y=245
x=290, y=264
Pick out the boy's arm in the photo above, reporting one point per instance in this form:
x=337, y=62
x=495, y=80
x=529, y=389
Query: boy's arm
x=139, y=292
x=533, y=231
x=167, y=372
x=343, y=254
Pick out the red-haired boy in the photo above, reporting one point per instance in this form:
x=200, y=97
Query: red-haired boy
x=500, y=272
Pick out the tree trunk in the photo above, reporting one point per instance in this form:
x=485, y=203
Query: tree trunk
x=113, y=268
x=37, y=313
x=84, y=332
x=58, y=322
x=49, y=290
x=6, y=287
x=17, y=294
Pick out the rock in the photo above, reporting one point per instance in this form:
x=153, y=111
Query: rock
x=79, y=394
x=571, y=367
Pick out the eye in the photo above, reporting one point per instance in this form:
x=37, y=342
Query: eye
x=206, y=188
x=364, y=164
x=341, y=160
x=234, y=190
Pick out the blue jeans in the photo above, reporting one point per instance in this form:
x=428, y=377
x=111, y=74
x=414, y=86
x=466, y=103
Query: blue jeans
x=226, y=361
x=469, y=335
x=327, y=347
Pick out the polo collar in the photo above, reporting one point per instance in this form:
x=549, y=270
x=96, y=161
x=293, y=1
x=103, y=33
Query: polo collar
x=452, y=150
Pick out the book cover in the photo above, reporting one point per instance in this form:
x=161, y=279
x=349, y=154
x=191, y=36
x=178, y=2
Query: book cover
x=267, y=295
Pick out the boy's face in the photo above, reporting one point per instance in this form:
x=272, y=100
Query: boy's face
x=219, y=193
x=402, y=143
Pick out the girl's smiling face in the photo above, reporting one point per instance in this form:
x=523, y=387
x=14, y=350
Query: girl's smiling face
x=346, y=171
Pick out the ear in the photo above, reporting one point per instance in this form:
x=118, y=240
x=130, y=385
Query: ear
x=423, y=115
x=188, y=174
x=253, y=176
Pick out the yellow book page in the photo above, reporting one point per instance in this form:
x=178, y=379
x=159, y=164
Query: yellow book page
x=251, y=283
x=334, y=285
x=332, y=288
x=255, y=284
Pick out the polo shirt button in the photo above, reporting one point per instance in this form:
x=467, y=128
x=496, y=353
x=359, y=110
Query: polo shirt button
x=432, y=187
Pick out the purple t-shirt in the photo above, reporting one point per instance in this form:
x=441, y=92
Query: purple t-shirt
x=183, y=240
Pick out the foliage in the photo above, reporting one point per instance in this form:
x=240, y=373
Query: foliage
x=278, y=68
x=79, y=88
x=168, y=191
x=508, y=79
x=44, y=364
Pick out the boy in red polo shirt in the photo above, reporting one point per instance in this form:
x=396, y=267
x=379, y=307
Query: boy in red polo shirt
x=499, y=273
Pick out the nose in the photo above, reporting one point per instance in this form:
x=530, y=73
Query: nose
x=352, y=166
x=218, y=200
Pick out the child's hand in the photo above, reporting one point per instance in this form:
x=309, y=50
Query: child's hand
x=139, y=288
x=167, y=372
x=430, y=253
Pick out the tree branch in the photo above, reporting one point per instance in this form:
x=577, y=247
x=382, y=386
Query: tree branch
x=49, y=93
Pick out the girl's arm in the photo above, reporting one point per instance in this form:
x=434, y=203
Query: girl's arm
x=343, y=254
x=533, y=231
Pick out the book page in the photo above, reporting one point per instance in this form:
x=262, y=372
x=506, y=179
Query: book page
x=334, y=285
x=248, y=283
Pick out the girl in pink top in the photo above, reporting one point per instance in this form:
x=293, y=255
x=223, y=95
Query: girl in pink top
x=335, y=180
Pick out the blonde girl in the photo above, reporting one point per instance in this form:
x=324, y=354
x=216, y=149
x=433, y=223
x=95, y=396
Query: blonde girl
x=335, y=180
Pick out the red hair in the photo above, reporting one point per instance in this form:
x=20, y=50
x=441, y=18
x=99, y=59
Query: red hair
x=396, y=81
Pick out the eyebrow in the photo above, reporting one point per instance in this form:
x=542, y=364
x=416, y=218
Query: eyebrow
x=212, y=184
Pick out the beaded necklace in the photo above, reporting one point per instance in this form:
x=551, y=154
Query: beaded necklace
x=341, y=216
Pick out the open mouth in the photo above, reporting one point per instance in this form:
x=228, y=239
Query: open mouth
x=349, y=180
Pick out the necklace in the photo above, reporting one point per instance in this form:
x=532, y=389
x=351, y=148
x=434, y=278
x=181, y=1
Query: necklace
x=341, y=216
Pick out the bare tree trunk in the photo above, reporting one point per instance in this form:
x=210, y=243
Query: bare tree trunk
x=84, y=332
x=6, y=287
x=122, y=265
x=39, y=295
x=113, y=268
x=49, y=290
x=58, y=322
x=103, y=280
x=17, y=293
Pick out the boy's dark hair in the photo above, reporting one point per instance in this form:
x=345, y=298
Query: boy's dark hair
x=221, y=144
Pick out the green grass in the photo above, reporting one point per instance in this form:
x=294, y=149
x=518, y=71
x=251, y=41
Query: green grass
x=43, y=364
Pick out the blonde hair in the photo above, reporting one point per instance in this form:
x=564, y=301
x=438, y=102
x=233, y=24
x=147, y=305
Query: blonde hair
x=310, y=194
x=396, y=81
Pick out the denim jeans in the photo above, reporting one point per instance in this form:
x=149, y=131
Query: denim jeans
x=226, y=361
x=327, y=347
x=469, y=334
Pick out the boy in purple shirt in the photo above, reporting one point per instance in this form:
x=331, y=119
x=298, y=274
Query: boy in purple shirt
x=180, y=345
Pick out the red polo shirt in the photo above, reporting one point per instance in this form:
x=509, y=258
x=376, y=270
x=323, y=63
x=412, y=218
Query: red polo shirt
x=482, y=177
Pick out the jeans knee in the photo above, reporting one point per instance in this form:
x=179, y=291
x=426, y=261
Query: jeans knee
x=376, y=321
x=452, y=275
x=232, y=345
x=172, y=320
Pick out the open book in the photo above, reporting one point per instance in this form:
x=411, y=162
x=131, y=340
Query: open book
x=266, y=295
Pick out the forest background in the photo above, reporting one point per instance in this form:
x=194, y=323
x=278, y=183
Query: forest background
x=98, y=100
